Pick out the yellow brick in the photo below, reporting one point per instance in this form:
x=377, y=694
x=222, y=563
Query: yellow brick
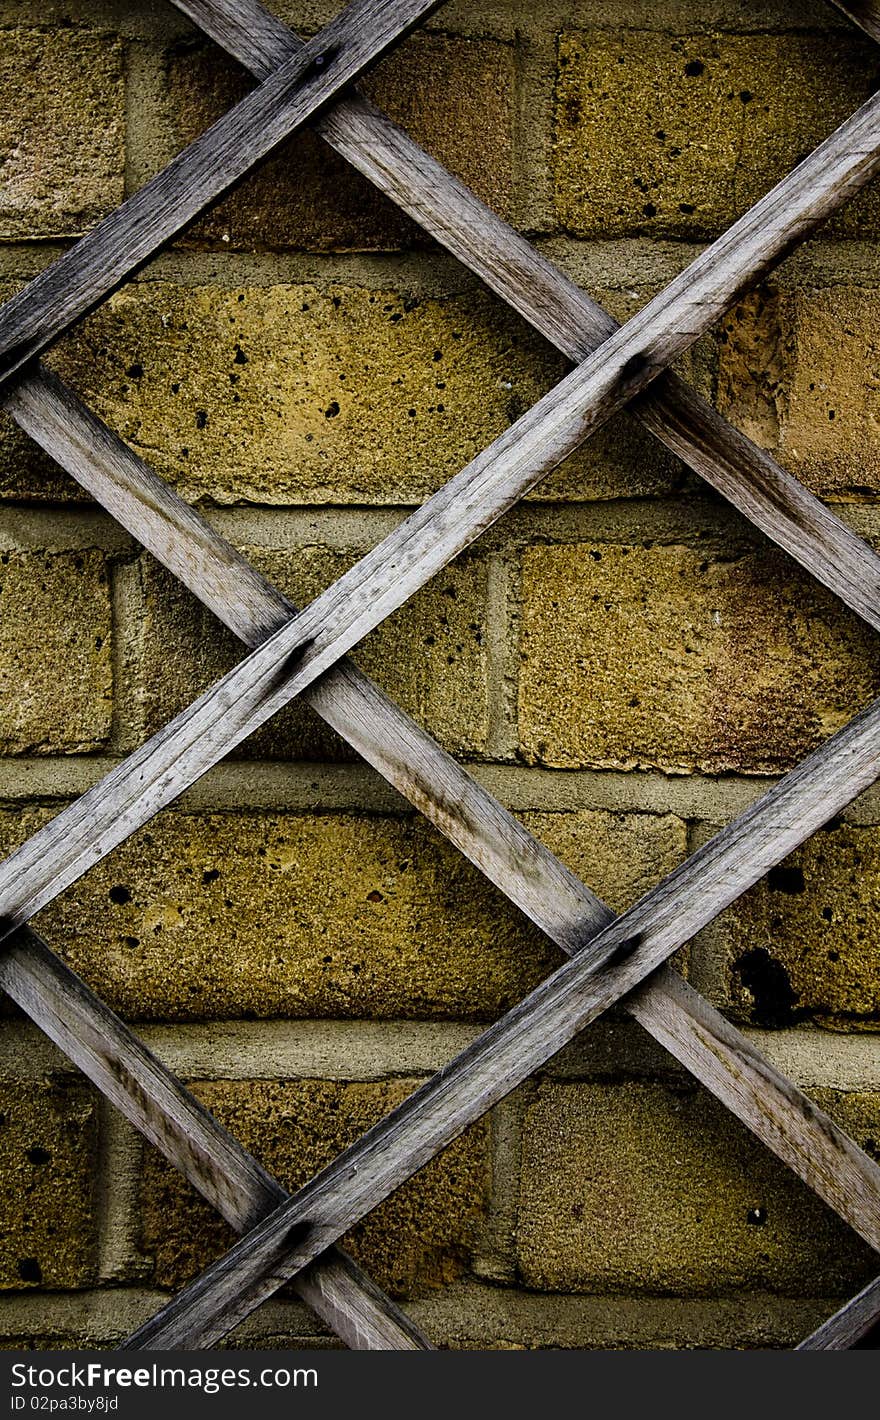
x=290, y=394
x=677, y=135
x=453, y=96
x=62, y=113
x=337, y=914
x=430, y=656
x=799, y=373
x=48, y=1137
x=637, y=657
x=56, y=679
x=650, y=1188
x=419, y=1238
x=804, y=941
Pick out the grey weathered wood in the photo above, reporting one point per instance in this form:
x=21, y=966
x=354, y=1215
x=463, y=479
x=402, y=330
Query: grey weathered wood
x=122, y=242
x=155, y=1102
x=865, y=13
x=851, y=1324
x=753, y=481
x=380, y=582
x=522, y=867
x=614, y=963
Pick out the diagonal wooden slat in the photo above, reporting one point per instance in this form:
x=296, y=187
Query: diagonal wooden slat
x=155, y=1102
x=522, y=867
x=755, y=483
x=848, y=1326
x=620, y=957
x=864, y=13
x=839, y=741
x=154, y=775
x=122, y=242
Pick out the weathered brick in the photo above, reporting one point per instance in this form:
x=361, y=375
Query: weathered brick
x=677, y=135
x=656, y=656
x=430, y=656
x=166, y=367
x=62, y=114
x=55, y=652
x=799, y=371
x=291, y=394
x=650, y=1188
x=48, y=1139
x=804, y=941
x=338, y=914
x=453, y=96
x=420, y=1237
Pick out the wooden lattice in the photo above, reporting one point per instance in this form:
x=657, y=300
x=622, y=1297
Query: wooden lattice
x=294, y=1238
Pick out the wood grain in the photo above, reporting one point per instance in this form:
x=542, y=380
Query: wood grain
x=122, y=242
x=747, y=476
x=864, y=13
x=754, y=481
x=155, y=1102
x=517, y=863
x=621, y=956
x=676, y=979
x=296, y=655
x=848, y=1326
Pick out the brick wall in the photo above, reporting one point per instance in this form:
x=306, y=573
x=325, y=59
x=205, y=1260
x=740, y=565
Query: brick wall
x=622, y=660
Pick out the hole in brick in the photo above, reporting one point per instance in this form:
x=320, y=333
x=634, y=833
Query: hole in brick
x=119, y=894
x=36, y=1155
x=771, y=990
x=29, y=1269
x=757, y=1217
x=790, y=880
x=694, y=68
x=210, y=875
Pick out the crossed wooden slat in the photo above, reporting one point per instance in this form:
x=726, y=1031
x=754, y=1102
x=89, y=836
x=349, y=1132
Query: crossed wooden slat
x=622, y=953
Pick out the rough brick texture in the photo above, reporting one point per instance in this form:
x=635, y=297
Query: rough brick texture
x=55, y=652
x=430, y=657
x=799, y=373
x=229, y=915
x=62, y=136
x=453, y=96
x=621, y=656
x=421, y=1237
x=655, y=1188
x=677, y=135
x=48, y=1140
x=638, y=657
x=803, y=943
x=297, y=394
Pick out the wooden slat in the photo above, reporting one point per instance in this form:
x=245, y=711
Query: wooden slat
x=305, y=648
x=865, y=13
x=615, y=962
x=155, y=1102
x=848, y=1326
x=122, y=242
x=753, y=481
x=517, y=863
